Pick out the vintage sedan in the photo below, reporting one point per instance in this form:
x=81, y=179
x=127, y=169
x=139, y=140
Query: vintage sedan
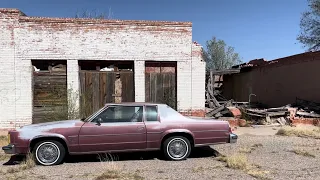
x=118, y=128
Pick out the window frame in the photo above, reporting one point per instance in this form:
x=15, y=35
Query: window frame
x=106, y=107
x=145, y=114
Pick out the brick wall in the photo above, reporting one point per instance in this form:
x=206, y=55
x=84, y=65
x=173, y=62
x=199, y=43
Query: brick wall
x=278, y=82
x=15, y=107
x=23, y=39
x=198, y=69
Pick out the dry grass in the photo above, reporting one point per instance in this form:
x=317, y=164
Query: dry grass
x=109, y=174
x=4, y=157
x=300, y=132
x=250, y=149
x=259, y=174
x=28, y=163
x=112, y=171
x=239, y=161
x=198, y=169
x=3, y=141
x=246, y=150
x=303, y=153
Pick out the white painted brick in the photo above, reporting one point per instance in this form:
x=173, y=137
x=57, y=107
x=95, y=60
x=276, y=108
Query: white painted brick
x=198, y=78
x=139, y=80
x=73, y=84
x=22, y=40
x=184, y=85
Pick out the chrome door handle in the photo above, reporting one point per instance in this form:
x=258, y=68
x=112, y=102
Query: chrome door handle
x=140, y=128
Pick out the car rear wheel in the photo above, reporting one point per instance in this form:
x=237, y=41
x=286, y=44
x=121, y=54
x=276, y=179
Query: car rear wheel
x=177, y=148
x=49, y=153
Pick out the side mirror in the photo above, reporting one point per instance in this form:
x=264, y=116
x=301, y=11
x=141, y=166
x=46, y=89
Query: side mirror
x=82, y=119
x=99, y=121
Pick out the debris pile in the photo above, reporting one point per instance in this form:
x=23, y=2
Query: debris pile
x=267, y=116
x=301, y=109
x=220, y=107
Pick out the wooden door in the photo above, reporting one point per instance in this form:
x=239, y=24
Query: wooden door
x=99, y=88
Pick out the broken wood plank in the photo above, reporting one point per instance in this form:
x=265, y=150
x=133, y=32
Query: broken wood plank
x=277, y=113
x=282, y=121
x=215, y=111
x=308, y=114
x=253, y=114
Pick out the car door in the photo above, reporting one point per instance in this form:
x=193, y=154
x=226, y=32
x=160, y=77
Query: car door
x=115, y=128
x=153, y=126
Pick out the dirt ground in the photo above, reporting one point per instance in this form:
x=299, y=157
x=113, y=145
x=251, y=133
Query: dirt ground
x=264, y=155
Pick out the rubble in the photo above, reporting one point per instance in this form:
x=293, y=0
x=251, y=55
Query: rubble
x=220, y=107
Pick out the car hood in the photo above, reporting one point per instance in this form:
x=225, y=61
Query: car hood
x=58, y=124
x=30, y=131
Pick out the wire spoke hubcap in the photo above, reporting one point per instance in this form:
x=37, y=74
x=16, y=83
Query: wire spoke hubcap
x=177, y=148
x=48, y=153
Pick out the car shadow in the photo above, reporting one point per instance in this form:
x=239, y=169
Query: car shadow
x=198, y=152
x=14, y=160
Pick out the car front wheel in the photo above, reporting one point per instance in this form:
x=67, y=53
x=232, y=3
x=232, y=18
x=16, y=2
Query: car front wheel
x=177, y=148
x=49, y=153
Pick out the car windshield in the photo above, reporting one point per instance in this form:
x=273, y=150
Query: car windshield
x=85, y=119
x=167, y=113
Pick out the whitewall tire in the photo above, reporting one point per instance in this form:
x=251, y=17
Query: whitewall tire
x=49, y=152
x=177, y=148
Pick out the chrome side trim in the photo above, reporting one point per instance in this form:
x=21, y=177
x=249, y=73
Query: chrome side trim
x=113, y=151
x=208, y=144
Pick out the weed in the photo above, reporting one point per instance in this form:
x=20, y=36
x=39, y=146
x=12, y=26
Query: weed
x=198, y=169
x=250, y=149
x=4, y=157
x=299, y=132
x=239, y=161
x=28, y=163
x=246, y=150
x=109, y=174
x=257, y=145
x=259, y=174
x=12, y=170
x=303, y=153
x=112, y=171
x=3, y=140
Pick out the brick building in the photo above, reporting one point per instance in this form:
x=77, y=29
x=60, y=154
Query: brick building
x=276, y=83
x=27, y=43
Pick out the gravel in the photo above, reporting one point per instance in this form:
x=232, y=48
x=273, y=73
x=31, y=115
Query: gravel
x=271, y=153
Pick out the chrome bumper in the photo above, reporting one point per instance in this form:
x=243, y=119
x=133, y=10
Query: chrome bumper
x=233, y=138
x=9, y=149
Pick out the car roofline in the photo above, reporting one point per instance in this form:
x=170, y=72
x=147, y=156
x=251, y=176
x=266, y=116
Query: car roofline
x=133, y=103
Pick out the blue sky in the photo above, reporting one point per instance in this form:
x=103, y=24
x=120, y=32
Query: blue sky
x=255, y=28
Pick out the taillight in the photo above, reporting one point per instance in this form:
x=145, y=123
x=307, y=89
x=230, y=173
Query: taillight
x=230, y=130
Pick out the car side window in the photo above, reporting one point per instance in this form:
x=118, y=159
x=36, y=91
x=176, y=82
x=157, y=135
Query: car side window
x=151, y=113
x=118, y=114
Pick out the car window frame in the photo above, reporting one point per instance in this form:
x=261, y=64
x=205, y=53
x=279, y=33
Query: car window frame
x=106, y=107
x=145, y=114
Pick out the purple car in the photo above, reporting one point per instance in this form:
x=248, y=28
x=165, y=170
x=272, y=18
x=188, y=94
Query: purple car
x=118, y=128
